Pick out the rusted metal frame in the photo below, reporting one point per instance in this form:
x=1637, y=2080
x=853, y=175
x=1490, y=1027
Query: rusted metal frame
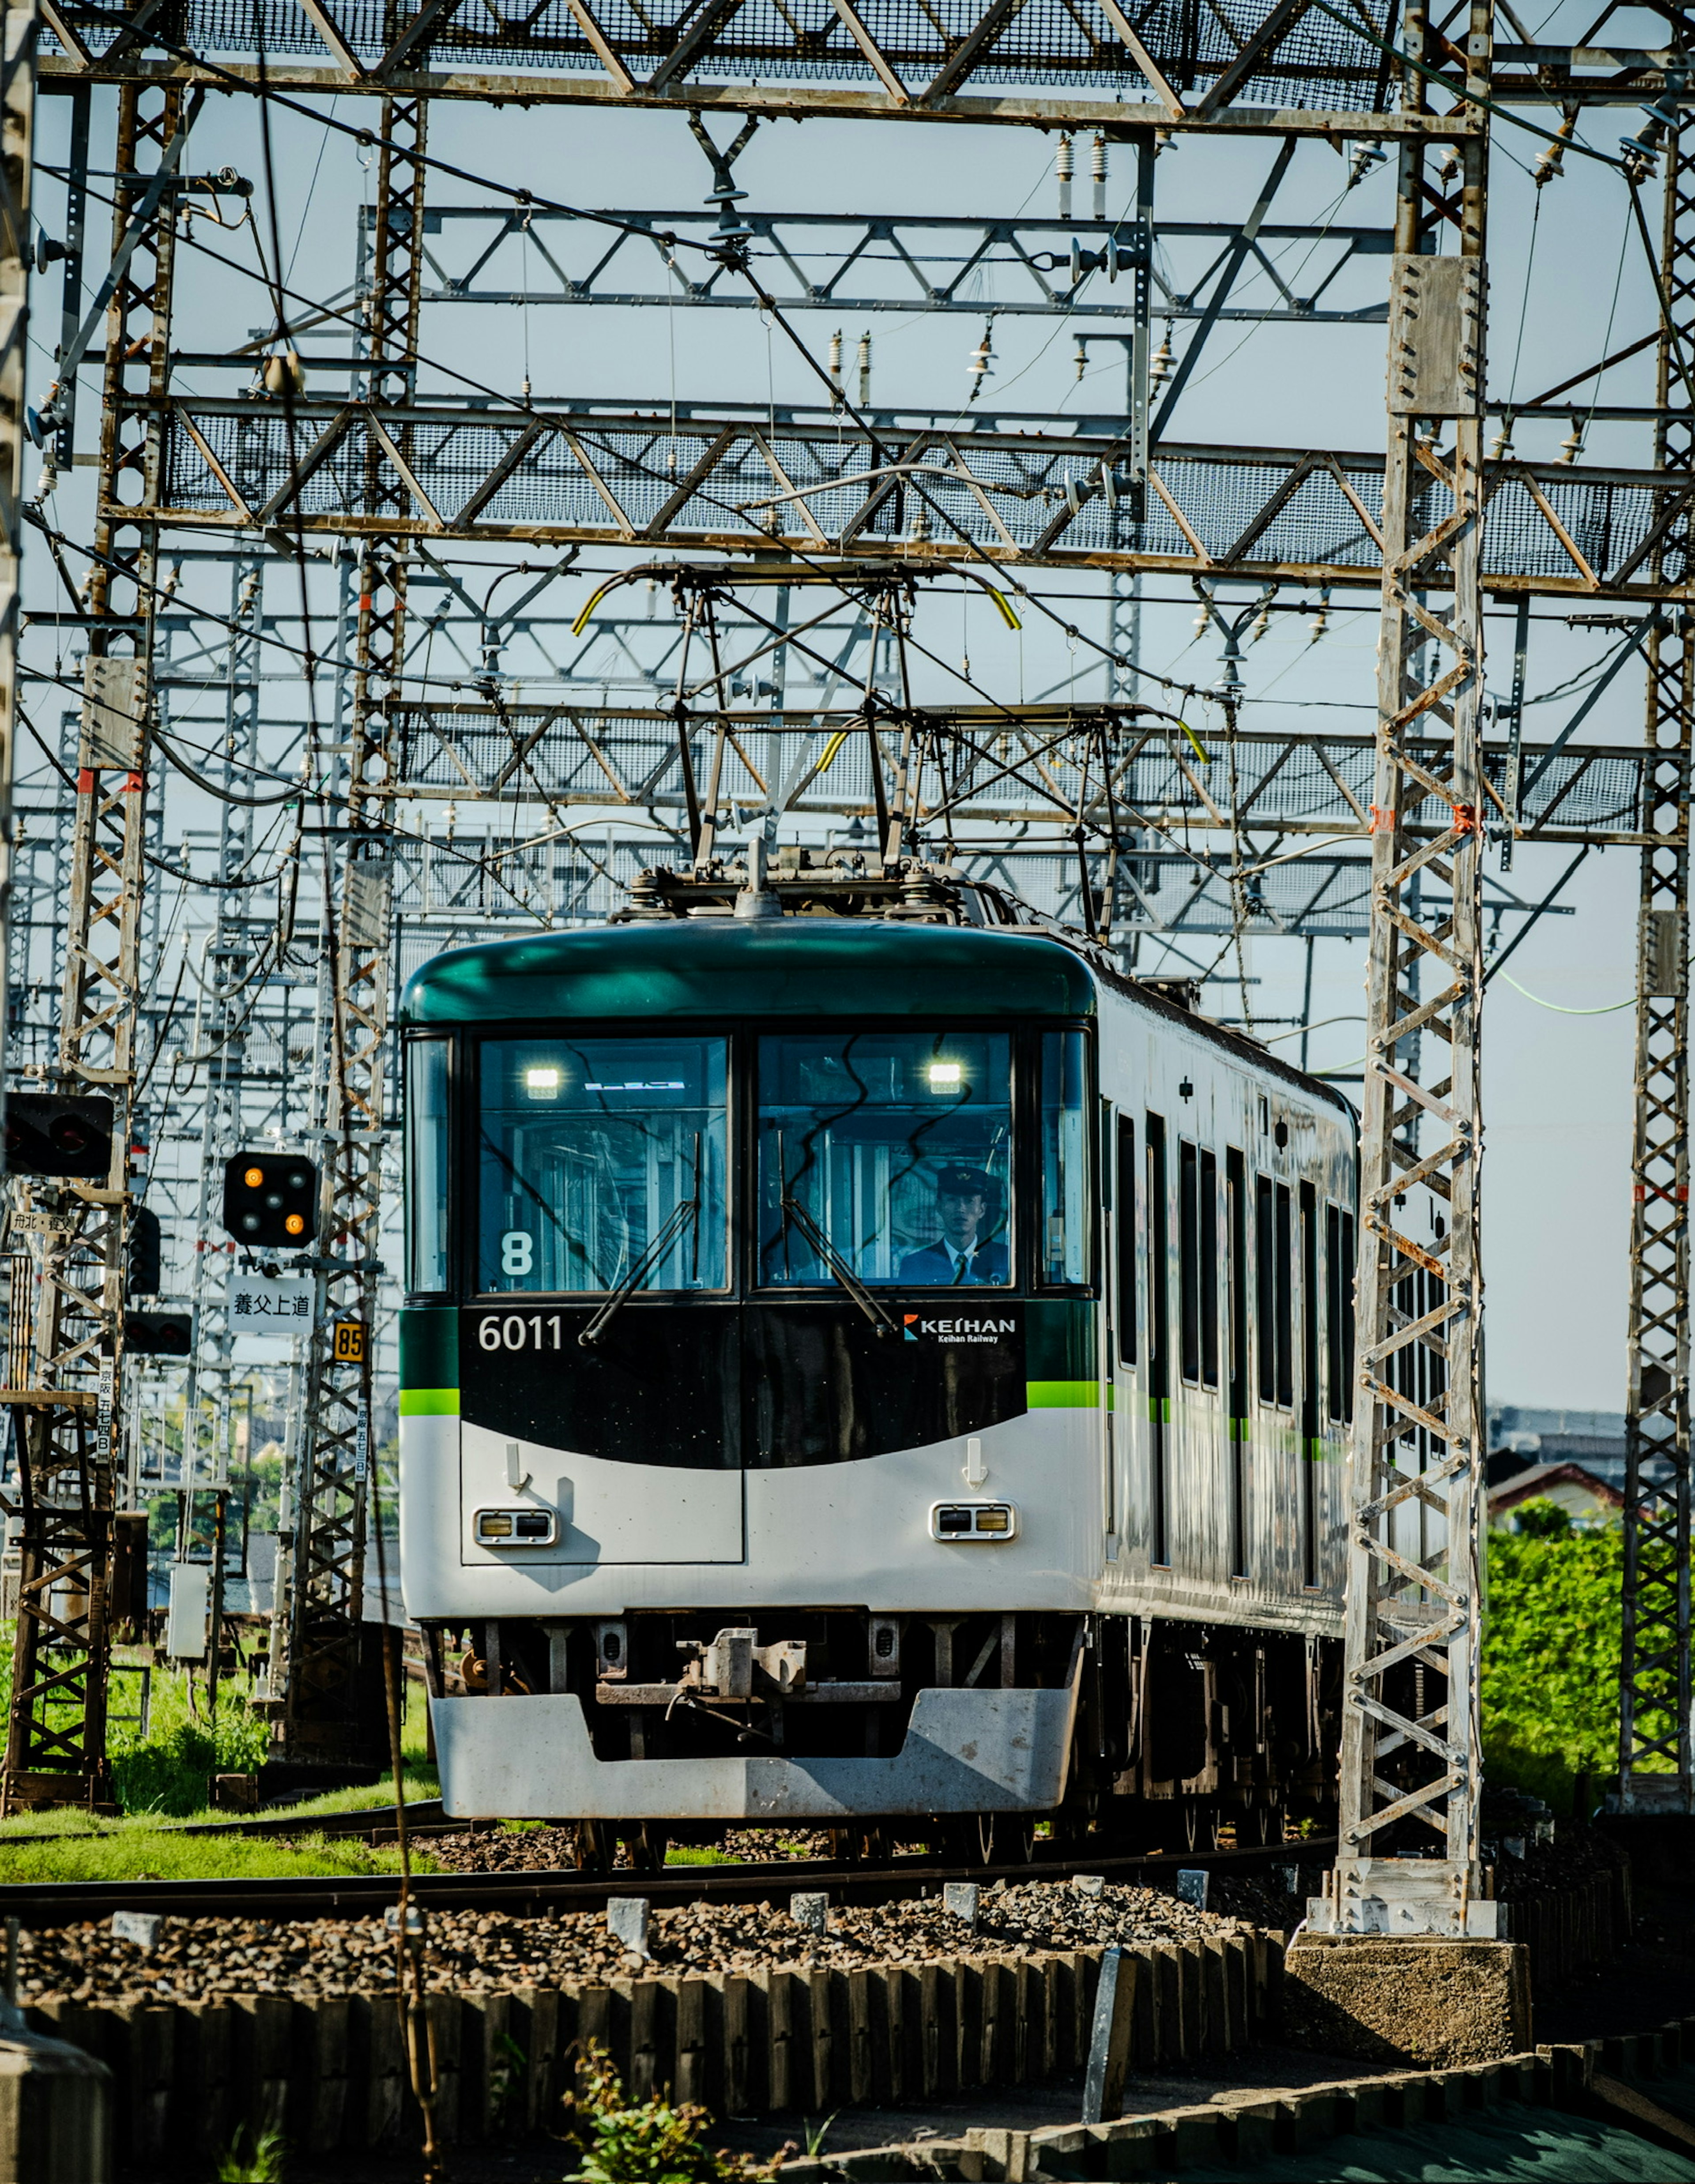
x=882, y=489
x=69, y=37
x=1387, y=1566
x=385, y=439
x=971, y=49
x=238, y=500
x=1676, y=512
x=1178, y=518
x=614, y=508
x=1553, y=523
x=881, y=68
x=510, y=462
x=1655, y=1663
x=786, y=485
x=329, y=30
x=1276, y=26
x=602, y=46
x=429, y=17
x=692, y=44
x=323, y=446
x=1143, y=58
x=1273, y=509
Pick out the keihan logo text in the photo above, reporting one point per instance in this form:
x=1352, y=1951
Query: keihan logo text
x=958, y=1330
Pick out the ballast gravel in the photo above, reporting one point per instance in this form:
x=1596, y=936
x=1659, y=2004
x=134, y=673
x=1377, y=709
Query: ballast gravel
x=554, y=1850
x=468, y=1951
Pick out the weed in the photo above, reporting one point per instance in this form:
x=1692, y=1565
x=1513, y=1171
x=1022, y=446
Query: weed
x=621, y=2141
x=255, y=2159
x=814, y=2139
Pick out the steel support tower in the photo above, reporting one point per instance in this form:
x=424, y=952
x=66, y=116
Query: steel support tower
x=316, y=1686
x=71, y=1425
x=1411, y=1761
x=1654, y=1692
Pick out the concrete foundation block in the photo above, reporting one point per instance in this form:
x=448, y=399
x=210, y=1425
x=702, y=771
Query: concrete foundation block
x=55, y=2112
x=1425, y=2001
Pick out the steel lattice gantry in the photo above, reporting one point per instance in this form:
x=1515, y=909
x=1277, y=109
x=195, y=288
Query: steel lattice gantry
x=911, y=488
x=1654, y=1758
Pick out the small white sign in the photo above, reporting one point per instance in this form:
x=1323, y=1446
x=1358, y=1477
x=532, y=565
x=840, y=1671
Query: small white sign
x=261, y=1304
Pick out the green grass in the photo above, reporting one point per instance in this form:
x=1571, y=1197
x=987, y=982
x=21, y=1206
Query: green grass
x=141, y=1853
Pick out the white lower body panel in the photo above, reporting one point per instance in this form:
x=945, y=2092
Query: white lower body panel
x=965, y=1752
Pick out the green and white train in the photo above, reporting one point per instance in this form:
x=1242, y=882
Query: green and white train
x=884, y=1373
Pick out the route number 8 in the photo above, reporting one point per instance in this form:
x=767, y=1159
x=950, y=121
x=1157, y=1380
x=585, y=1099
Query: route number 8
x=517, y=1252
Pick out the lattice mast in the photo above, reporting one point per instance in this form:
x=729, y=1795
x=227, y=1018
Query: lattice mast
x=56, y=1746
x=318, y=1680
x=1411, y=1774
x=1655, y=1694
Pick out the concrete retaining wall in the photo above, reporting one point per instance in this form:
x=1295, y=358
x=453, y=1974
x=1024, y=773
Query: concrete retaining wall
x=332, y=2074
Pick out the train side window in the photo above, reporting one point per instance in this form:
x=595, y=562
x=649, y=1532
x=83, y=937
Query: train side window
x=1189, y=1258
x=427, y=1167
x=1265, y=1288
x=1335, y=1387
x=1128, y=1302
x=1066, y=1199
x=1309, y=1382
x=1158, y=1335
x=1350, y=1253
x=1235, y=1234
x=1209, y=1268
x=1283, y=1244
x=1235, y=1250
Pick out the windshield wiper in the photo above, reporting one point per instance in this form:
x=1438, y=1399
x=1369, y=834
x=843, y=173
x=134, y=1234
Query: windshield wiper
x=684, y=1215
x=792, y=1210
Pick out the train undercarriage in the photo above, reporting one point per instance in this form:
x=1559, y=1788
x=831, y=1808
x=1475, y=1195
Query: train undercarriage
x=1180, y=1735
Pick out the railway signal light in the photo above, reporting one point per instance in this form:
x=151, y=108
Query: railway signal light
x=271, y=1199
x=157, y=1334
x=146, y=1254
x=47, y=1135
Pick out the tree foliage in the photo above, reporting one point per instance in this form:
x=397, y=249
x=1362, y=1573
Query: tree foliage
x=1551, y=1657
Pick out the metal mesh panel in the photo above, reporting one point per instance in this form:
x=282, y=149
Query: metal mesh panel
x=1319, y=62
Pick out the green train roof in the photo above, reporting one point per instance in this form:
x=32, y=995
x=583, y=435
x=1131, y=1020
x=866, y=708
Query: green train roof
x=794, y=967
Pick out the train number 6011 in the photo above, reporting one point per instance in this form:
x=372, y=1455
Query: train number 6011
x=518, y=1331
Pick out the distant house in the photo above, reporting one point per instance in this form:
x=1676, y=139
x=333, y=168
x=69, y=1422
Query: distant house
x=1586, y=1498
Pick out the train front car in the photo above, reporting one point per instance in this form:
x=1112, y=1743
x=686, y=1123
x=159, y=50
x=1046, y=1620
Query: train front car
x=869, y=1376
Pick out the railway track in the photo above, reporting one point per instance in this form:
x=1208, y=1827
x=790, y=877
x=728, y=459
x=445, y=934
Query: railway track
x=535, y=1895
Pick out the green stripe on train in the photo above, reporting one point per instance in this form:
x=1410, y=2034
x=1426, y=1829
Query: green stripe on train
x=1063, y=1394
x=429, y=1402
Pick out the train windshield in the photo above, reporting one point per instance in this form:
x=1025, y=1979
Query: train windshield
x=603, y=1164
x=885, y=1155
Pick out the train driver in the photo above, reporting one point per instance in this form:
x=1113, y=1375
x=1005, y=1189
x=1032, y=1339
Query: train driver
x=961, y=1253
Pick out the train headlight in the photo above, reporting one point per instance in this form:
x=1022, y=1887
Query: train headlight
x=515, y=1528
x=542, y=1083
x=945, y=1076
x=957, y=1523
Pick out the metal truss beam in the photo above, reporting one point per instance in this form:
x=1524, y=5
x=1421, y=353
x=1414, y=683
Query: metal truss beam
x=918, y=262
x=1654, y=1756
x=1286, y=54
x=1411, y=1758
x=1010, y=765
x=56, y=1746
x=916, y=490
